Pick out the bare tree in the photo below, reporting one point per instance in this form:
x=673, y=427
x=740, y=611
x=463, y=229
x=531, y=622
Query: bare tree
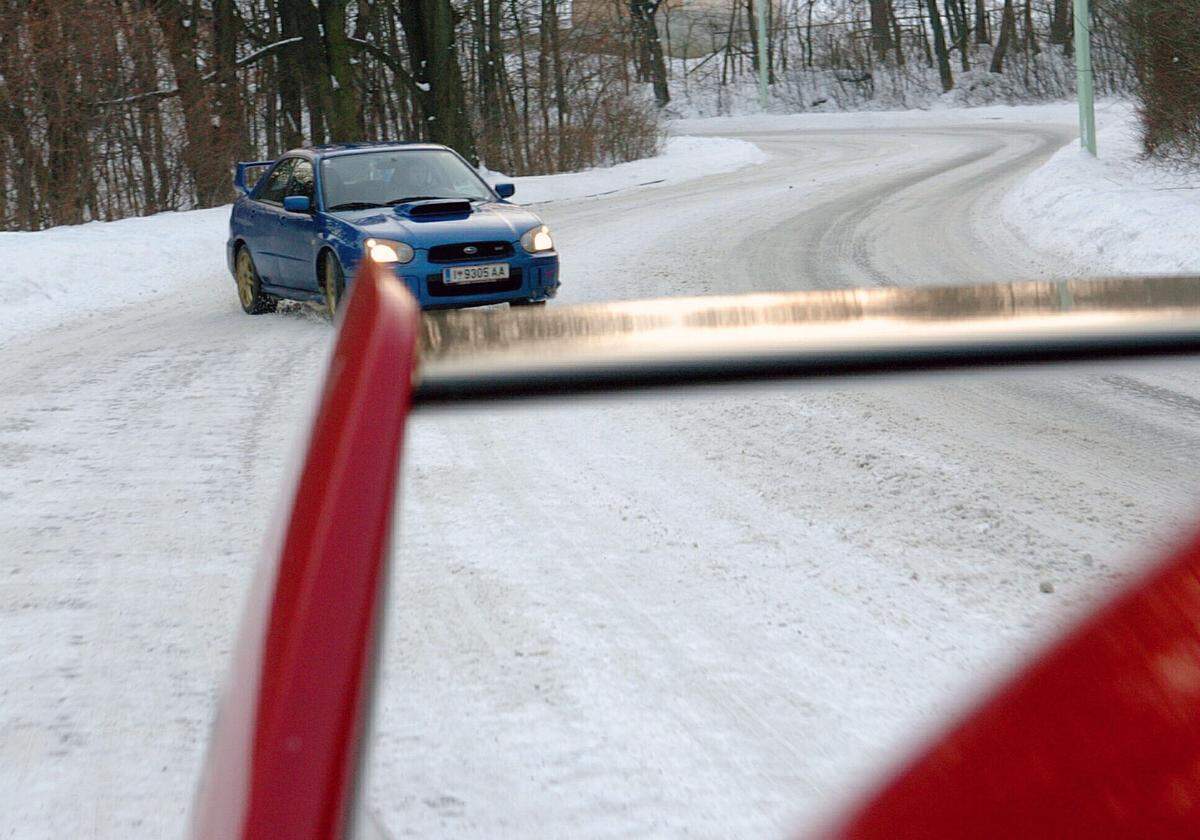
x=345, y=117
x=134, y=106
x=651, y=63
x=939, y=45
x=881, y=35
x=982, y=30
x=430, y=32
x=1008, y=33
x=1060, y=22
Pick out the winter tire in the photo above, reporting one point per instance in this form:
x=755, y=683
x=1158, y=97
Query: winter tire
x=249, y=287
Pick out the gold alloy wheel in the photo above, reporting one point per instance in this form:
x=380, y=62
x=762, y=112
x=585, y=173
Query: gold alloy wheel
x=245, y=279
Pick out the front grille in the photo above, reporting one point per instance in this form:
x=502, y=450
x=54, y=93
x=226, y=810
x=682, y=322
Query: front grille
x=438, y=288
x=459, y=252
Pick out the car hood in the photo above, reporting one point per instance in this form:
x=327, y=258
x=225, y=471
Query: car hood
x=491, y=221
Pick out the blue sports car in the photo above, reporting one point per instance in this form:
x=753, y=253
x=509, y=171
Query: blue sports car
x=420, y=208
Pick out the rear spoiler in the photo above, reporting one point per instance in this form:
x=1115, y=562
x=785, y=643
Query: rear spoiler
x=239, y=174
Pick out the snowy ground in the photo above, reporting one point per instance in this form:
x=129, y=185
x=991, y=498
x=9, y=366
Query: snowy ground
x=682, y=159
x=1114, y=213
x=701, y=615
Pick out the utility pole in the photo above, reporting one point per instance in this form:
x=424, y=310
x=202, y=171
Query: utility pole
x=1084, y=80
x=761, y=15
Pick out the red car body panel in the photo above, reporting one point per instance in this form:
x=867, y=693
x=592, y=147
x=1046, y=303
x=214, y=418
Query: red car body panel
x=285, y=749
x=1099, y=737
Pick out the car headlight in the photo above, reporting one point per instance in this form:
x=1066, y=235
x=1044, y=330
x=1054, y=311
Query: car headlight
x=387, y=251
x=537, y=240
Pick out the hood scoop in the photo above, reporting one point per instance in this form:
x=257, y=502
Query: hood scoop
x=434, y=207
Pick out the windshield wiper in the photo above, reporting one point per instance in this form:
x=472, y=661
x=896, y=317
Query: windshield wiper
x=407, y=198
x=355, y=205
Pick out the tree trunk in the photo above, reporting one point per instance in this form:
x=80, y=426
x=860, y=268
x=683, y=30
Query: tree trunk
x=345, y=117
x=1008, y=27
x=155, y=174
x=308, y=62
x=881, y=36
x=962, y=30
x=808, y=36
x=1030, y=34
x=64, y=141
x=1060, y=22
x=645, y=29
x=492, y=88
x=210, y=175
x=3, y=180
x=560, y=84
x=543, y=94
x=951, y=21
x=982, y=35
x=770, y=43
x=429, y=30
x=506, y=105
x=898, y=40
x=939, y=45
x=229, y=120
x=291, y=96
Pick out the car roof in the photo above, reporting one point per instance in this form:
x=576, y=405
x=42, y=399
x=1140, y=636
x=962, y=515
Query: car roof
x=338, y=149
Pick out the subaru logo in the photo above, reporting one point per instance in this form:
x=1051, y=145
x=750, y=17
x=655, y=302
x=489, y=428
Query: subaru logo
x=470, y=249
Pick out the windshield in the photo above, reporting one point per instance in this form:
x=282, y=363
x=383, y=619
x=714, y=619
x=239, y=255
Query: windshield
x=377, y=179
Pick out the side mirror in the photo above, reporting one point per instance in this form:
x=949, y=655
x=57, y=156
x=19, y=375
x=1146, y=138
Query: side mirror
x=506, y=190
x=296, y=204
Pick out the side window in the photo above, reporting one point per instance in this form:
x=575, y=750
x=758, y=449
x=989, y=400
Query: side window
x=302, y=181
x=276, y=187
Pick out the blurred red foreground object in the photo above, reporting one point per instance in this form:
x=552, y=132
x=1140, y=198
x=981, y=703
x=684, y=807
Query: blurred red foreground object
x=1099, y=737
x=284, y=754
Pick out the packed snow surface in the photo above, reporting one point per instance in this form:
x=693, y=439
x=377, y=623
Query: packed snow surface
x=714, y=614
x=682, y=159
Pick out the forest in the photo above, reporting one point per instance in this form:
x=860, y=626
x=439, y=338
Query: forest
x=112, y=108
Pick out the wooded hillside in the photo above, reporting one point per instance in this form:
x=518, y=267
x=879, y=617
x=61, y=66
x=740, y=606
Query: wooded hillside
x=119, y=107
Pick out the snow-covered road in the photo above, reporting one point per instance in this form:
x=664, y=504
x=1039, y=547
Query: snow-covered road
x=701, y=615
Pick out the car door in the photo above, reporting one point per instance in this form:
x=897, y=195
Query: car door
x=297, y=242
x=265, y=238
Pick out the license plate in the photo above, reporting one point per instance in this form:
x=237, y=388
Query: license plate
x=475, y=273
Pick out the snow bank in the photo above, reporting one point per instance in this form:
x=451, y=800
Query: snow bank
x=682, y=159
x=883, y=89
x=913, y=118
x=1116, y=213
x=67, y=273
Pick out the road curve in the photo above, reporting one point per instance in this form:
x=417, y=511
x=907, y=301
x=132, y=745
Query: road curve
x=716, y=613
x=701, y=615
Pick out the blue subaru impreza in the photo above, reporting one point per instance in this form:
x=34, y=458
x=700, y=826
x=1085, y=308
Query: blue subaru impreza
x=419, y=208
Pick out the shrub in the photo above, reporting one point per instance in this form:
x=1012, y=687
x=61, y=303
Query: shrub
x=1164, y=45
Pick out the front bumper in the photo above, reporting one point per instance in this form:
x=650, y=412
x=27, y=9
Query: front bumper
x=531, y=278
